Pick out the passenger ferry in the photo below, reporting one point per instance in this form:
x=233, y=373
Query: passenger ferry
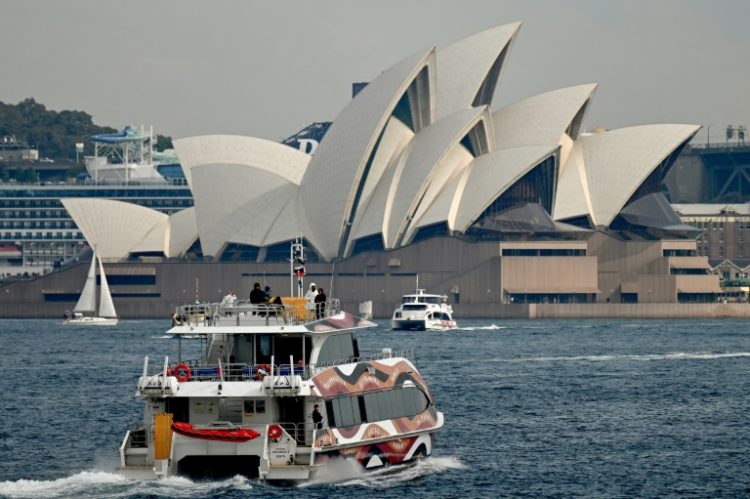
x=423, y=311
x=276, y=394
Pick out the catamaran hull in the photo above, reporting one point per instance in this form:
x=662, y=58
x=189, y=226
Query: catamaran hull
x=371, y=457
x=91, y=321
x=421, y=325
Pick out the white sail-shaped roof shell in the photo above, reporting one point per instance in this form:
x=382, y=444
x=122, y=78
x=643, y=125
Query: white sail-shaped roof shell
x=240, y=187
x=182, y=233
x=616, y=163
x=573, y=198
x=434, y=154
x=472, y=64
x=374, y=216
x=116, y=228
x=281, y=160
x=338, y=171
x=540, y=119
x=489, y=176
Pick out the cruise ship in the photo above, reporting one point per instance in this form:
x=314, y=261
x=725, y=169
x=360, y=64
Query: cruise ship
x=36, y=232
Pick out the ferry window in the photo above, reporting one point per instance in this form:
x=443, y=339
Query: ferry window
x=249, y=407
x=254, y=407
x=417, y=306
x=336, y=412
x=337, y=347
x=265, y=345
x=372, y=407
x=330, y=414
x=347, y=412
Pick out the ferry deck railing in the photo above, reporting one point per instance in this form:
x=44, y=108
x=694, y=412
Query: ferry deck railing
x=244, y=313
x=234, y=372
x=241, y=371
x=368, y=355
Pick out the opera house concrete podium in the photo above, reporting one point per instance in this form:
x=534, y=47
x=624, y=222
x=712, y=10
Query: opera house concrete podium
x=419, y=174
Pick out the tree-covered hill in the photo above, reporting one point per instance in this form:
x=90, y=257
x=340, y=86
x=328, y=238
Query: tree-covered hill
x=54, y=133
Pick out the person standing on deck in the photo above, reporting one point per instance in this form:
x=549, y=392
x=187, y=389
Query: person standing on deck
x=310, y=298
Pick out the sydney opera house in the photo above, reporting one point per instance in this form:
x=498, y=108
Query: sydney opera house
x=421, y=175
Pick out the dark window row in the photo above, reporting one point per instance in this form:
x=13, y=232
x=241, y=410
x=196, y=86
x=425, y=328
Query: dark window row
x=688, y=271
x=543, y=252
x=347, y=411
x=679, y=252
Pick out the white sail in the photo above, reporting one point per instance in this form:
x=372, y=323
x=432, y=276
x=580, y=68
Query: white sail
x=106, y=307
x=87, y=300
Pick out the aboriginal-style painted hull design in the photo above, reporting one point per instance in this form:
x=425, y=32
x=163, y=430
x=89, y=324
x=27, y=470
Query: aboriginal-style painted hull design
x=391, y=440
x=386, y=453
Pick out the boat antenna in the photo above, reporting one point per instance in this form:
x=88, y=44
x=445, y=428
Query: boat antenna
x=297, y=266
x=197, y=300
x=417, y=283
x=333, y=272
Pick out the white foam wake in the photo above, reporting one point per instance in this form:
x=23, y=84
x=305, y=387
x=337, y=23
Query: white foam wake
x=106, y=485
x=79, y=484
x=491, y=327
x=349, y=472
x=611, y=358
x=642, y=358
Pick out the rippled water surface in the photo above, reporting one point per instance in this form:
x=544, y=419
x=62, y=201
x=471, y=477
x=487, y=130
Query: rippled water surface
x=532, y=408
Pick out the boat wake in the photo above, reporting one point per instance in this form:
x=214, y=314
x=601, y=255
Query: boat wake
x=615, y=358
x=349, y=472
x=491, y=327
x=108, y=485
x=642, y=358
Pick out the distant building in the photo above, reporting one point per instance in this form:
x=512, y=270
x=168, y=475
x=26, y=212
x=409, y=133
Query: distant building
x=725, y=230
x=13, y=150
x=711, y=173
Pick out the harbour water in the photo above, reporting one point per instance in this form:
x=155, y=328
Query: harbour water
x=532, y=408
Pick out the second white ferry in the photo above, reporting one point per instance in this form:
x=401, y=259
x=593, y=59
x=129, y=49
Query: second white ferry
x=422, y=311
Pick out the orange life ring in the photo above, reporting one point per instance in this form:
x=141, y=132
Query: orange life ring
x=274, y=432
x=182, y=372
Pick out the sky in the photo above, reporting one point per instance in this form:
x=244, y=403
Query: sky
x=269, y=68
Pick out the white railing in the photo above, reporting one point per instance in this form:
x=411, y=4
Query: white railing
x=200, y=371
x=244, y=313
x=366, y=356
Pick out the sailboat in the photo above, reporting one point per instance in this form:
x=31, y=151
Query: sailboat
x=87, y=302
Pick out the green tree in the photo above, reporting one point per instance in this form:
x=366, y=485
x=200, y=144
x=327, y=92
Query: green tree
x=26, y=176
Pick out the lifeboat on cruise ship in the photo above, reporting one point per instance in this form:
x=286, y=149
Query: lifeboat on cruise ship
x=224, y=434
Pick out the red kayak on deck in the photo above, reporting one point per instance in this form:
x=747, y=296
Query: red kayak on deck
x=225, y=434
